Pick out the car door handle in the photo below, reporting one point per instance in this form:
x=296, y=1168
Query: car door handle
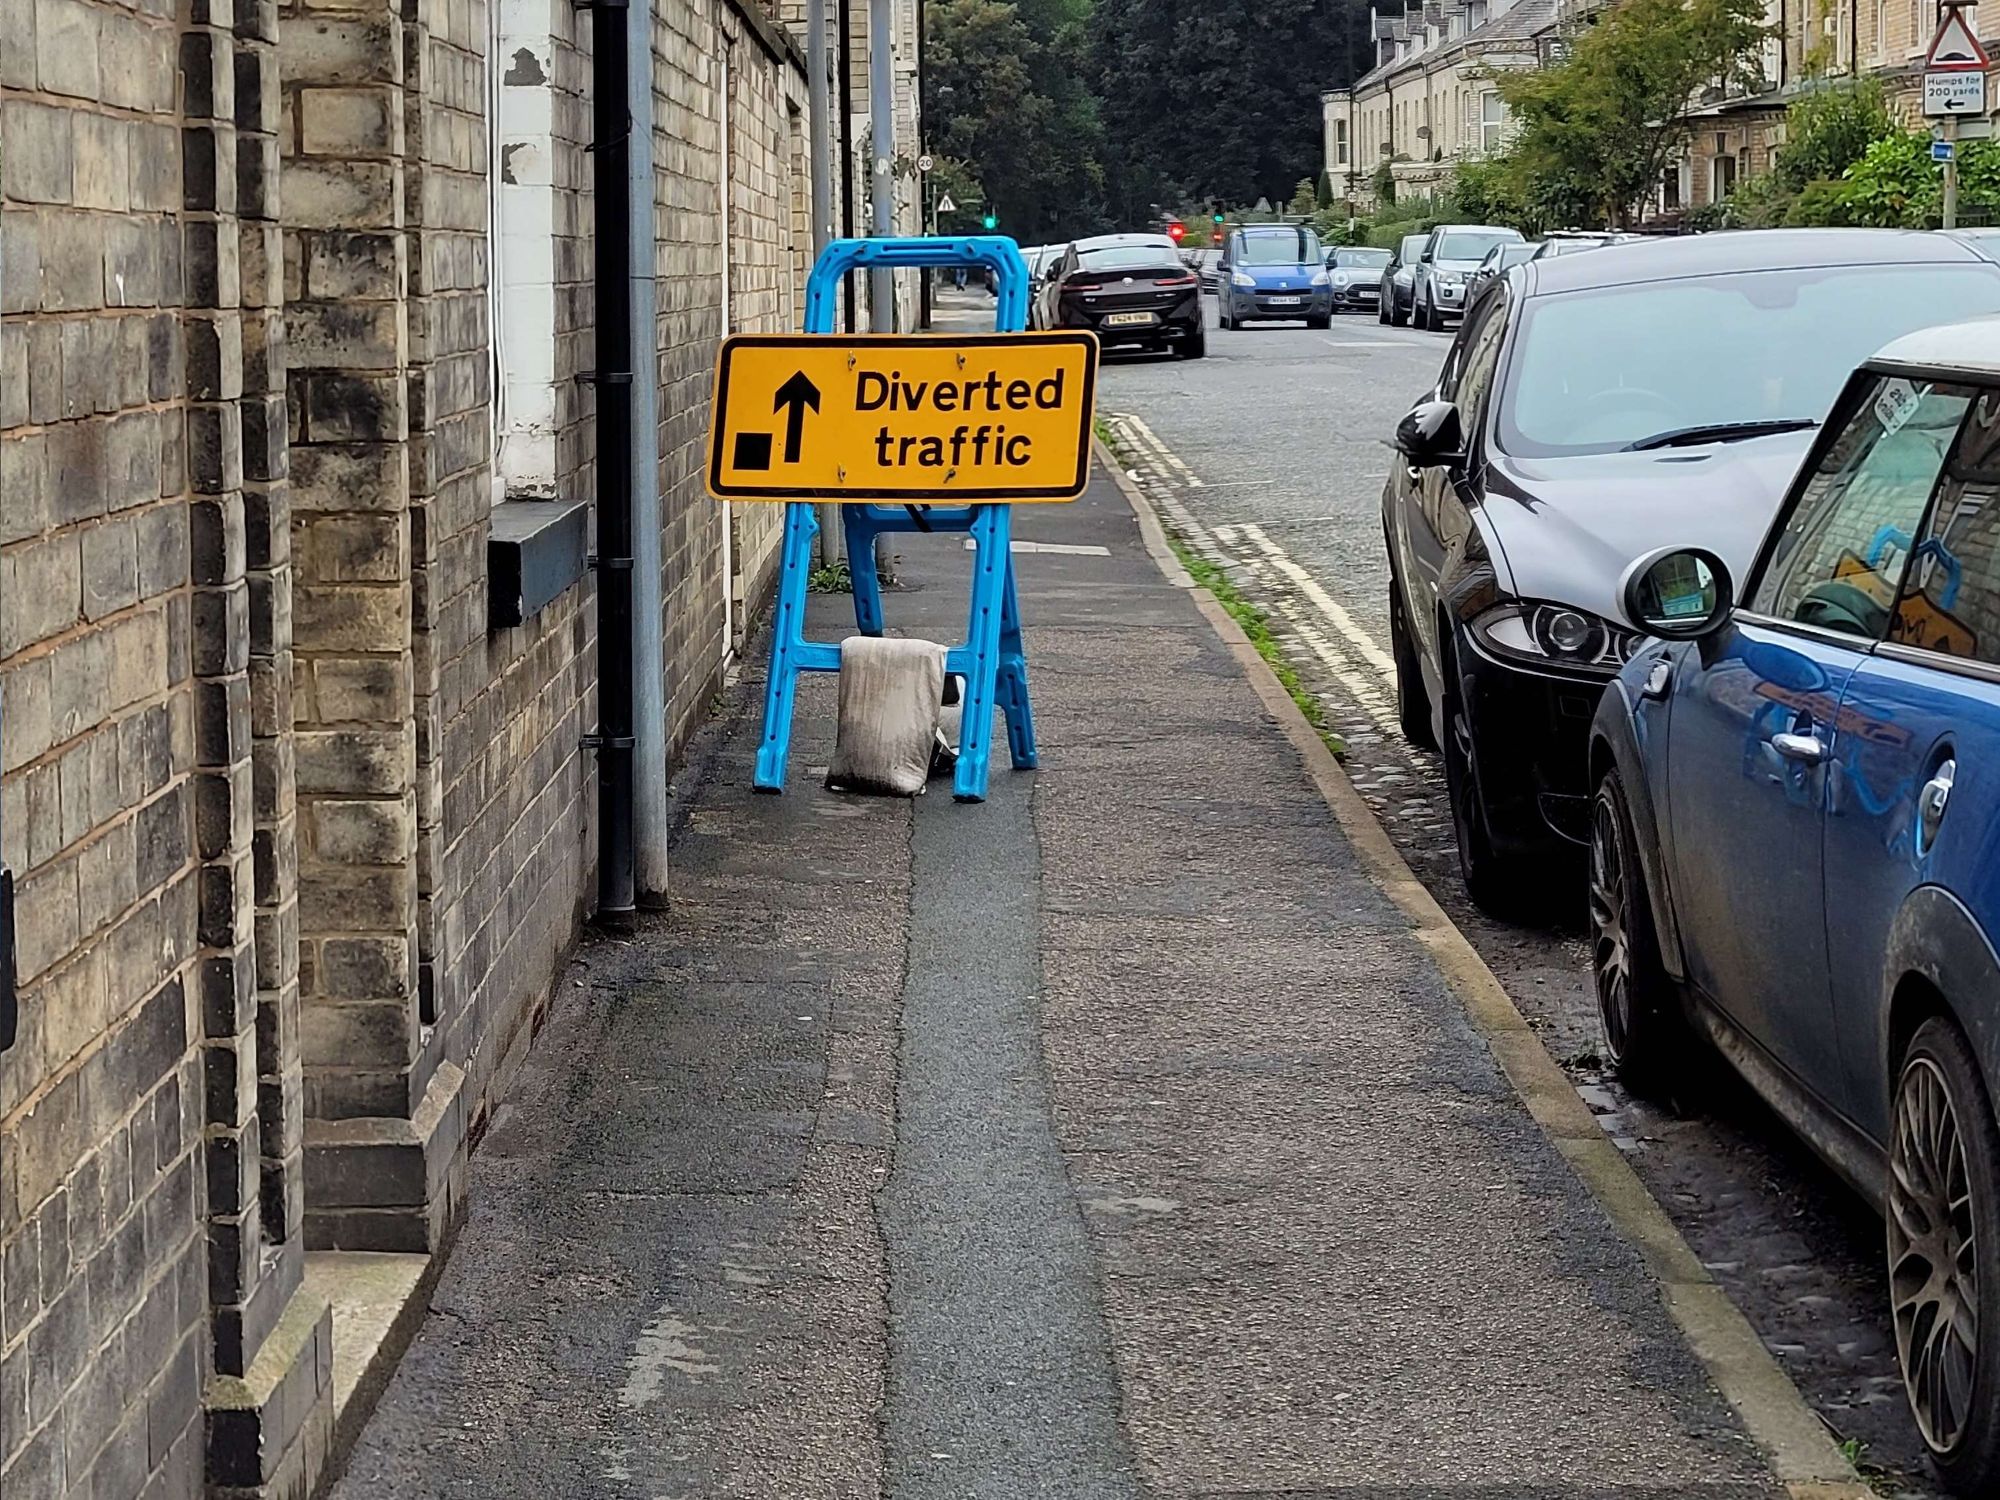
x=1808, y=749
x=1931, y=803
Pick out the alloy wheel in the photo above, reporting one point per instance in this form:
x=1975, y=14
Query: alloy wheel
x=1610, y=942
x=1933, y=1268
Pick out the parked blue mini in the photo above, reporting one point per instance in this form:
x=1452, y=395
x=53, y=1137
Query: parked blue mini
x=1795, y=842
x=1270, y=271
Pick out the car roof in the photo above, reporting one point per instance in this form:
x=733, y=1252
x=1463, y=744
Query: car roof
x=1972, y=345
x=1472, y=229
x=1109, y=241
x=1672, y=259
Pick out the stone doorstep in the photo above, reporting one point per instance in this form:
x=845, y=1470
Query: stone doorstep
x=379, y=1300
x=267, y=1429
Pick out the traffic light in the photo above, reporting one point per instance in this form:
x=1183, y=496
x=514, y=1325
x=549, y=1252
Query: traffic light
x=1215, y=237
x=1177, y=229
x=1218, y=220
x=991, y=221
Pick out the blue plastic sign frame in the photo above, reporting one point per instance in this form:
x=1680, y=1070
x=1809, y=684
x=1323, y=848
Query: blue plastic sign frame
x=991, y=660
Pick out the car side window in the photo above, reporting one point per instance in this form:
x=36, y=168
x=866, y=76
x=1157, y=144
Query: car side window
x=1950, y=601
x=1477, y=358
x=1838, y=562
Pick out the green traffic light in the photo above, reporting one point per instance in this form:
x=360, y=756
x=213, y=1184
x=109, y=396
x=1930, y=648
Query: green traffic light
x=991, y=221
x=1218, y=218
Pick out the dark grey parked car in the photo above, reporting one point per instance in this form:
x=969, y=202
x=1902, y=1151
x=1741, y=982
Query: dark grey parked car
x=1396, y=278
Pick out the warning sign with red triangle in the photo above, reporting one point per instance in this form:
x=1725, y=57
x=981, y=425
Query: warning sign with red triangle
x=1955, y=49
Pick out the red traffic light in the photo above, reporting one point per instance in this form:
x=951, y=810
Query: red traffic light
x=1177, y=229
x=1216, y=236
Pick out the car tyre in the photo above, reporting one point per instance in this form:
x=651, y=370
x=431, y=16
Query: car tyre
x=1195, y=347
x=1646, y=1035
x=1413, y=700
x=1399, y=316
x=1324, y=320
x=1382, y=309
x=1222, y=318
x=1512, y=887
x=1943, y=1241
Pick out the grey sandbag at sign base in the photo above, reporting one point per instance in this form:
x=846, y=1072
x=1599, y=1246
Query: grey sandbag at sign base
x=890, y=697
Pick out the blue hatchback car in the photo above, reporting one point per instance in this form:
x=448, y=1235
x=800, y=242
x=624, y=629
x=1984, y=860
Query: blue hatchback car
x=1273, y=271
x=1795, y=842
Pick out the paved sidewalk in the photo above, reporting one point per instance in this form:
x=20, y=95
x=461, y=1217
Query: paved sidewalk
x=1113, y=1138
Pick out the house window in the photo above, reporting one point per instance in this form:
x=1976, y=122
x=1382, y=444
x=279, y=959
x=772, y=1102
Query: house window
x=1492, y=116
x=1340, y=143
x=1881, y=53
x=1722, y=178
x=1670, y=189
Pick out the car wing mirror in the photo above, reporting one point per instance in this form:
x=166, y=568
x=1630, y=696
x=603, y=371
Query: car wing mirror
x=1432, y=436
x=1677, y=593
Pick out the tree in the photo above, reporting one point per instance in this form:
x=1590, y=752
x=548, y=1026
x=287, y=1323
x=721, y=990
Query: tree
x=1007, y=97
x=1596, y=131
x=1304, y=199
x=1205, y=102
x=1828, y=130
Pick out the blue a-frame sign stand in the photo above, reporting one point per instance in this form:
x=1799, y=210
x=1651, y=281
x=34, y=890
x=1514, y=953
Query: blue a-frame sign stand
x=990, y=660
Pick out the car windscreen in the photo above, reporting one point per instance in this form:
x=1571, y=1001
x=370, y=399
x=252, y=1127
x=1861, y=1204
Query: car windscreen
x=1293, y=247
x=1361, y=260
x=1468, y=246
x=1130, y=258
x=1513, y=255
x=1609, y=368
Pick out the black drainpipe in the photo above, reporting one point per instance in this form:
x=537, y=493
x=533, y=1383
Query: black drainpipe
x=846, y=22
x=611, y=136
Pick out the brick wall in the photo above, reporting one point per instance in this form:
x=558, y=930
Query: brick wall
x=299, y=838
x=147, y=1160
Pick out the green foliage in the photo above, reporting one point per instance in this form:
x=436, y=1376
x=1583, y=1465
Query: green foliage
x=1383, y=182
x=1595, y=131
x=1828, y=130
x=1488, y=192
x=1304, y=201
x=1217, y=102
x=1008, y=97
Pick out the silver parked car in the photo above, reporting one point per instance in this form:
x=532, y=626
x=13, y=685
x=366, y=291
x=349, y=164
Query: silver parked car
x=1451, y=254
x=1356, y=274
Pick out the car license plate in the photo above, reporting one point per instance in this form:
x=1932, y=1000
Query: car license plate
x=1126, y=320
x=1283, y=301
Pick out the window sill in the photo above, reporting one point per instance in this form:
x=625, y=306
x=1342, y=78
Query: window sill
x=535, y=552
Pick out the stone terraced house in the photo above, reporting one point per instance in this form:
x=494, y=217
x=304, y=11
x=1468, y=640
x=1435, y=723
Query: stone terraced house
x=299, y=654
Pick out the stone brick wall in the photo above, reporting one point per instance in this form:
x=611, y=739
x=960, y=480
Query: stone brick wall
x=148, y=1139
x=300, y=839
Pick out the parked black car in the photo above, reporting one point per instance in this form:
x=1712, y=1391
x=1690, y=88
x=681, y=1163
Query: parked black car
x=1131, y=290
x=1594, y=407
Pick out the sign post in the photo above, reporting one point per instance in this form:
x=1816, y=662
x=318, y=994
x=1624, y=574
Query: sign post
x=1954, y=88
x=975, y=422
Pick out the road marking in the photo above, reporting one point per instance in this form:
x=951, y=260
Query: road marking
x=1322, y=601
x=1166, y=454
x=1067, y=549
x=1365, y=344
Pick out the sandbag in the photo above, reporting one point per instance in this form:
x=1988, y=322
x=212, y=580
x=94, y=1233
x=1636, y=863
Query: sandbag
x=891, y=691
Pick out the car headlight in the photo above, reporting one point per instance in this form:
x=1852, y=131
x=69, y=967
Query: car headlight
x=1339, y=278
x=1243, y=279
x=1555, y=634
x=1320, y=278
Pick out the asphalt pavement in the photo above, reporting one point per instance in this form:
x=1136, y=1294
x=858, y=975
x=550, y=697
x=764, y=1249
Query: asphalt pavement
x=1113, y=1137
x=1270, y=454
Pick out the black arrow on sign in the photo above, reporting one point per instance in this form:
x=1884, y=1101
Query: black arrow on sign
x=798, y=393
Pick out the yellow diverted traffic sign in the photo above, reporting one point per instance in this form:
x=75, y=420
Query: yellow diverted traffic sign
x=952, y=418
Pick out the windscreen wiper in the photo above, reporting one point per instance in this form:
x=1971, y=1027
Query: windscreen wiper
x=1719, y=432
